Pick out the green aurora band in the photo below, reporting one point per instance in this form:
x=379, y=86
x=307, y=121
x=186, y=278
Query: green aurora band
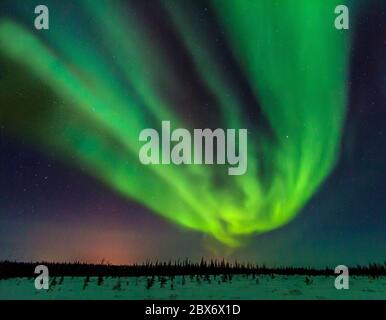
x=90, y=104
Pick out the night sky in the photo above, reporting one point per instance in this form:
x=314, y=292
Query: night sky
x=73, y=100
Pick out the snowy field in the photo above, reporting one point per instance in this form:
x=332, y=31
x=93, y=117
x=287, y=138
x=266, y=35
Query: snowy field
x=187, y=287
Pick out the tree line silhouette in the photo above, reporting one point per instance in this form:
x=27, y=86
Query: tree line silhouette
x=9, y=269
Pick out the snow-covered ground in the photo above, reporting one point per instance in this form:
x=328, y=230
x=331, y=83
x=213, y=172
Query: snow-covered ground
x=240, y=287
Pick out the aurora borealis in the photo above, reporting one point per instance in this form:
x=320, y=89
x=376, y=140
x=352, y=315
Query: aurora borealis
x=85, y=89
